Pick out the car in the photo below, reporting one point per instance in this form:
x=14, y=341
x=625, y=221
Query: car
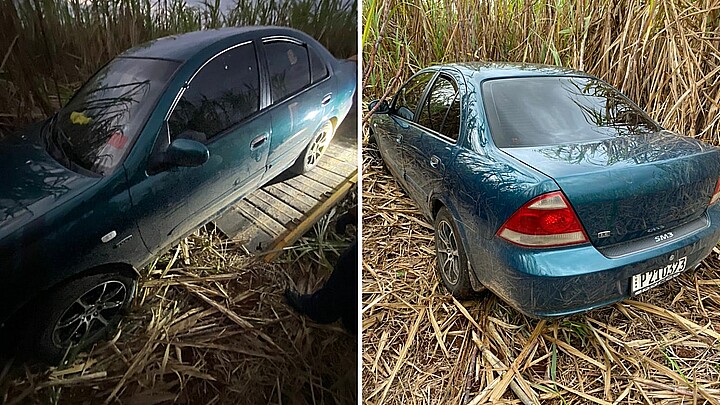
x=158, y=142
x=547, y=185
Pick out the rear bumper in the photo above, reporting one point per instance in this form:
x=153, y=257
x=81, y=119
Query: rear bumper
x=551, y=283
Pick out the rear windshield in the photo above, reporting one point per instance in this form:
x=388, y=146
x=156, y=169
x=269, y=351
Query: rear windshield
x=536, y=111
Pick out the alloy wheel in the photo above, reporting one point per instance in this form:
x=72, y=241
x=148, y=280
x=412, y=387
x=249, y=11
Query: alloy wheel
x=447, y=251
x=317, y=148
x=90, y=313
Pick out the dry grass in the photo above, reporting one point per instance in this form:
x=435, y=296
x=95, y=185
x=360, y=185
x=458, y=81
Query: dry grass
x=210, y=326
x=422, y=346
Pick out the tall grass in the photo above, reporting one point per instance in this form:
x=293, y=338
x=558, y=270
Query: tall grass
x=49, y=47
x=665, y=55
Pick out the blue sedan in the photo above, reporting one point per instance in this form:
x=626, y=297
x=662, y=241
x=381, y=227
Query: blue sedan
x=159, y=141
x=547, y=185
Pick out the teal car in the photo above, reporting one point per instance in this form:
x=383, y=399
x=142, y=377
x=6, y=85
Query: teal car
x=548, y=186
x=157, y=143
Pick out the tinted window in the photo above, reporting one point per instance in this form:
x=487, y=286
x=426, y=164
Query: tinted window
x=319, y=69
x=408, y=97
x=536, y=111
x=222, y=93
x=101, y=121
x=441, y=110
x=289, y=68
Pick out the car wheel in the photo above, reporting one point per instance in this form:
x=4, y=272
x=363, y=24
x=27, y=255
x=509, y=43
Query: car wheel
x=79, y=313
x=452, y=262
x=315, y=149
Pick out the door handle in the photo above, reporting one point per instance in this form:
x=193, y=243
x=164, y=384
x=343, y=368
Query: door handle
x=434, y=161
x=258, y=141
x=399, y=139
x=326, y=99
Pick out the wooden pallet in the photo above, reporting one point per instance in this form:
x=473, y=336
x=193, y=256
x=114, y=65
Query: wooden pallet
x=279, y=213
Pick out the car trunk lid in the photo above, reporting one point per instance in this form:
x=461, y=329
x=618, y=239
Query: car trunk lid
x=628, y=187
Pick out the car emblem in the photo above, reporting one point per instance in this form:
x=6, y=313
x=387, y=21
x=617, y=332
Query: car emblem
x=672, y=257
x=603, y=234
x=664, y=237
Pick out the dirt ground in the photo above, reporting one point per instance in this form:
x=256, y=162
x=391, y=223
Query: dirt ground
x=210, y=326
x=420, y=346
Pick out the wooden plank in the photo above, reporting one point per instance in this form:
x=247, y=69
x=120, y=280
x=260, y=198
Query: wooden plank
x=274, y=208
x=232, y=222
x=336, y=164
x=325, y=177
x=343, y=154
x=338, y=177
x=300, y=201
x=264, y=221
x=309, y=186
x=254, y=239
x=312, y=217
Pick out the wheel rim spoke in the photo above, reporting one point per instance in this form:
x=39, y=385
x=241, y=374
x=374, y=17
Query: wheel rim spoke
x=107, y=300
x=317, y=148
x=448, y=253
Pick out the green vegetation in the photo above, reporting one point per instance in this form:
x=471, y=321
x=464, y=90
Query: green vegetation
x=49, y=47
x=665, y=55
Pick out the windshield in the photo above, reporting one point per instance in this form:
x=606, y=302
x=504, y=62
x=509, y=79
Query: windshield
x=537, y=111
x=102, y=120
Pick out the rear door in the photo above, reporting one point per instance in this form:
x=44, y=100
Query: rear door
x=301, y=86
x=434, y=147
x=219, y=107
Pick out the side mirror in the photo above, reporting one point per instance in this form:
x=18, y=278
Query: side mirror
x=181, y=152
x=382, y=107
x=186, y=153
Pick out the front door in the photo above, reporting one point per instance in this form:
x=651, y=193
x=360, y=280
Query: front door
x=220, y=107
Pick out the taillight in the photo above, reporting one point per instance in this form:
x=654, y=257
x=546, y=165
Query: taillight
x=544, y=221
x=716, y=193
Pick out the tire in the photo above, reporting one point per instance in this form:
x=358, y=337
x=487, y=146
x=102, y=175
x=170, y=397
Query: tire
x=71, y=318
x=452, y=263
x=319, y=143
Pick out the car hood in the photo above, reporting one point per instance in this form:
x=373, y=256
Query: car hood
x=33, y=182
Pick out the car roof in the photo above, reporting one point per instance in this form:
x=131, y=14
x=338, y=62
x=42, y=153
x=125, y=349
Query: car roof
x=492, y=70
x=182, y=47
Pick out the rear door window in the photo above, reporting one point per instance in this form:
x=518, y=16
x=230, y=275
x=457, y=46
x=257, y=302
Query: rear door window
x=223, y=93
x=408, y=98
x=317, y=66
x=537, y=111
x=441, y=109
x=289, y=68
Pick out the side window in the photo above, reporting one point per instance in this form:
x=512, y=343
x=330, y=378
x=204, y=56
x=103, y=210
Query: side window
x=317, y=64
x=222, y=93
x=441, y=110
x=289, y=68
x=408, y=97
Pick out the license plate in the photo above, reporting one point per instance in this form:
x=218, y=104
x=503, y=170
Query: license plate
x=645, y=281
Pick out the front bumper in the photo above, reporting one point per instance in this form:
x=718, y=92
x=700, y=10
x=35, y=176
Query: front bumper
x=546, y=283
